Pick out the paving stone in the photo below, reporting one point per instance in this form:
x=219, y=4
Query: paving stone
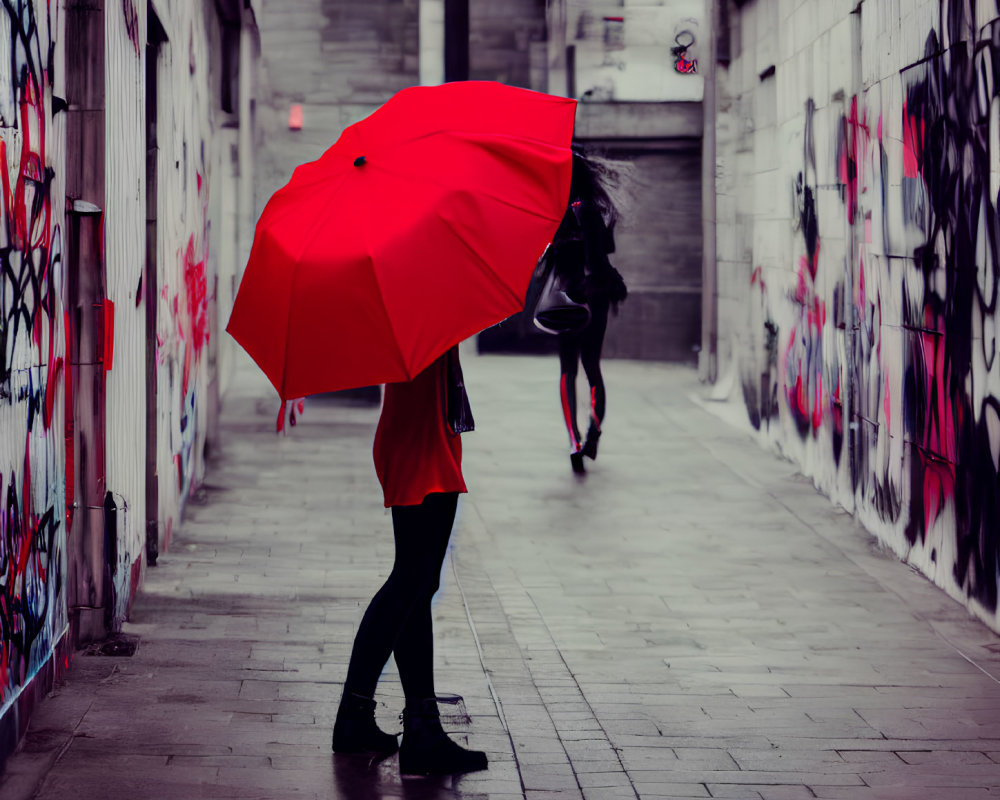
x=688, y=620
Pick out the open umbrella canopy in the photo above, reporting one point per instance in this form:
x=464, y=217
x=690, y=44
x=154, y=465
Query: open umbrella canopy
x=421, y=226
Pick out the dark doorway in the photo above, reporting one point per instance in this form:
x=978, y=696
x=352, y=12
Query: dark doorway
x=658, y=252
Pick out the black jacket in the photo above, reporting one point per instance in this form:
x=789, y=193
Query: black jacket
x=579, y=254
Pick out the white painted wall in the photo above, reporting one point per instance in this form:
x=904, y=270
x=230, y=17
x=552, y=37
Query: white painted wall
x=125, y=255
x=202, y=226
x=186, y=251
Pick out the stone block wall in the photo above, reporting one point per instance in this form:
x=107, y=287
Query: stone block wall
x=857, y=180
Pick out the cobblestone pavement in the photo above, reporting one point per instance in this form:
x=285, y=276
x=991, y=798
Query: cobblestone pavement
x=690, y=619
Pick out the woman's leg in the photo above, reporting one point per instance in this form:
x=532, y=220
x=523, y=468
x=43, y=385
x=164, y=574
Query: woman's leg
x=426, y=527
x=592, y=341
x=397, y=617
x=421, y=534
x=569, y=357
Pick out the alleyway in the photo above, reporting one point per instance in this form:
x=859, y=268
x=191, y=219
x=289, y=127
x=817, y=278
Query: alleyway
x=690, y=620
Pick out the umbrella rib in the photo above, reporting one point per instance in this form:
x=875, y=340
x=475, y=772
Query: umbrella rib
x=281, y=214
x=388, y=320
x=472, y=136
x=295, y=276
x=485, y=268
x=381, y=297
x=481, y=190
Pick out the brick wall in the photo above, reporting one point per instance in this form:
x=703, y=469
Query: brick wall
x=659, y=254
x=503, y=36
x=338, y=59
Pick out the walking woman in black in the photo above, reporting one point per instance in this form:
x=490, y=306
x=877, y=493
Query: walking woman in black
x=579, y=254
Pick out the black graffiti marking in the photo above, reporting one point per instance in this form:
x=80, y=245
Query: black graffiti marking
x=28, y=562
x=950, y=437
x=26, y=261
x=682, y=41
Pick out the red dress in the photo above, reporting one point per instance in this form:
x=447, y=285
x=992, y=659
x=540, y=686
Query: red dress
x=415, y=452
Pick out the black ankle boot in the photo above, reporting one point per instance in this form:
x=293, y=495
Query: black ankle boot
x=355, y=730
x=590, y=445
x=426, y=748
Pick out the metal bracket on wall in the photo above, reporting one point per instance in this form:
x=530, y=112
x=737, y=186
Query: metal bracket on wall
x=85, y=208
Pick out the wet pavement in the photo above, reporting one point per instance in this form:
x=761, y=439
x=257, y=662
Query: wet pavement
x=688, y=620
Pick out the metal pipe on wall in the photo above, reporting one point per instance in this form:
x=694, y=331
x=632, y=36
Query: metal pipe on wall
x=708, y=357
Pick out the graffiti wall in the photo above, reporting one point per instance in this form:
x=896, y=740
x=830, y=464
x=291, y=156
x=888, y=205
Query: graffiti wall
x=77, y=462
x=860, y=307
x=184, y=131
x=205, y=151
x=33, y=372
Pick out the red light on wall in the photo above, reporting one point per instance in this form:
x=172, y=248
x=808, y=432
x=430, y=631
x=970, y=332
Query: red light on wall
x=109, y=334
x=295, y=118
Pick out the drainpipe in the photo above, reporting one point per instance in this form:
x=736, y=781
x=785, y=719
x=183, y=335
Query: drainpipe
x=708, y=357
x=431, y=38
x=456, y=40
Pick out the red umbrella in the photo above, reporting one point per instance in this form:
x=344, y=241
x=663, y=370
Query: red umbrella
x=420, y=227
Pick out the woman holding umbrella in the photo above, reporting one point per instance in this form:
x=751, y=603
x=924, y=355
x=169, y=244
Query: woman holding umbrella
x=418, y=459
x=418, y=228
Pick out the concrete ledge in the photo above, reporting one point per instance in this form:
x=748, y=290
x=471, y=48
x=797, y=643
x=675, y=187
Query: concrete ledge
x=638, y=120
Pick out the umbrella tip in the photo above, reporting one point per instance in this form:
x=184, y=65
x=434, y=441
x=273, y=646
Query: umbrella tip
x=360, y=160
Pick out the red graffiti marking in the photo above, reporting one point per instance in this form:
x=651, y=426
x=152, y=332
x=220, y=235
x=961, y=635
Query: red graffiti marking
x=27, y=549
x=193, y=328
x=197, y=297
x=812, y=386
x=850, y=157
x=132, y=24
x=913, y=144
x=803, y=365
x=109, y=335
x=30, y=551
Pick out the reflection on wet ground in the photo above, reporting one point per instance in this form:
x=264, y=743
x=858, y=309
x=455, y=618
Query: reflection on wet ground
x=361, y=777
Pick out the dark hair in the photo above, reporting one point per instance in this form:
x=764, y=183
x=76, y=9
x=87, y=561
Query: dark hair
x=585, y=237
x=600, y=181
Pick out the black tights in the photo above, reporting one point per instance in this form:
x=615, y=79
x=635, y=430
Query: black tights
x=583, y=347
x=398, y=619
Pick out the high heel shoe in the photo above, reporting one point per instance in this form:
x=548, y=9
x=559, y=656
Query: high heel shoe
x=590, y=445
x=576, y=462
